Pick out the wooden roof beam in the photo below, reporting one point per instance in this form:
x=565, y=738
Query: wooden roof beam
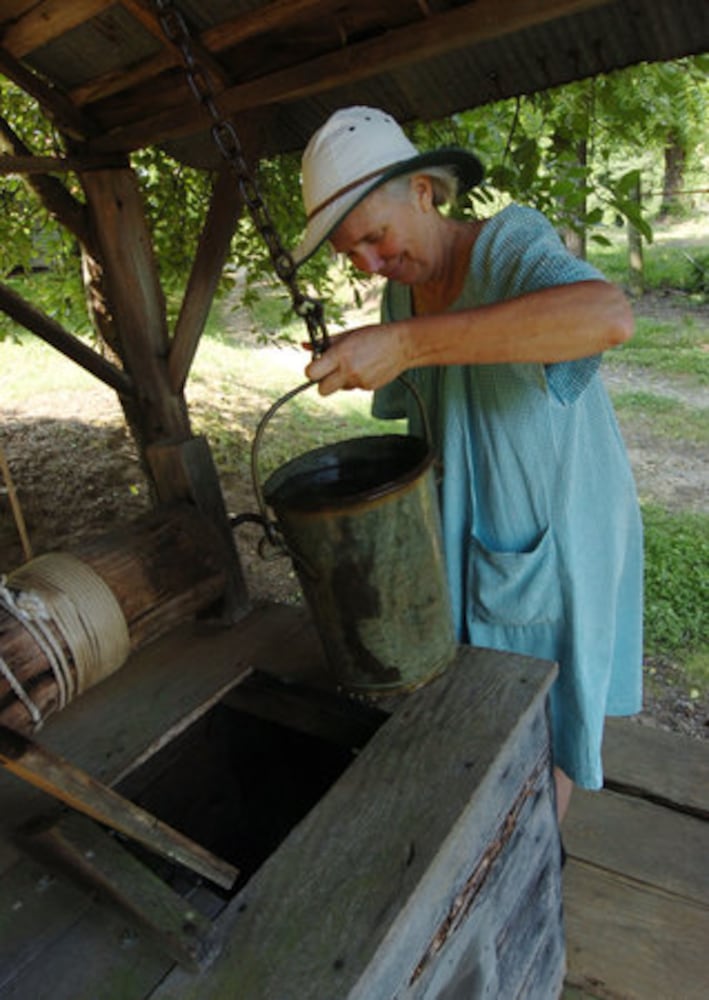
x=277, y=15
x=65, y=115
x=46, y=21
x=29, y=164
x=462, y=27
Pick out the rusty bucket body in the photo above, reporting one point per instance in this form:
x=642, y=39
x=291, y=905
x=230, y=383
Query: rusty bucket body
x=360, y=521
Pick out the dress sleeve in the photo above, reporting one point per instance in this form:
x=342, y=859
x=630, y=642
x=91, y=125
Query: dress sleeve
x=524, y=253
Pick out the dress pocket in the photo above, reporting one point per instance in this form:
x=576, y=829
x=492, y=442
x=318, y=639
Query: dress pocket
x=515, y=588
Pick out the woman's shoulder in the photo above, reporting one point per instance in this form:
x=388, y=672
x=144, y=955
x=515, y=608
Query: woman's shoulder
x=515, y=223
x=519, y=250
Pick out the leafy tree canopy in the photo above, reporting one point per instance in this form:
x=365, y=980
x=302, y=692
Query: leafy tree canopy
x=574, y=152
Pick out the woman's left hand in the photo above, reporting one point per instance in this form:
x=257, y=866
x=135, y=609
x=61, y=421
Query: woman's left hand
x=366, y=358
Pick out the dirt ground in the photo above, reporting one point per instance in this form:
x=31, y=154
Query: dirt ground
x=76, y=473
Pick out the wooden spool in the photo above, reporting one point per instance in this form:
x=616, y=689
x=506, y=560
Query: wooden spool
x=161, y=570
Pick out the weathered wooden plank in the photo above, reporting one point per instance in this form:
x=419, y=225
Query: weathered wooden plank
x=627, y=939
x=652, y=844
x=99, y=956
x=509, y=921
x=56, y=105
x=90, y=857
x=159, y=692
x=35, y=909
x=427, y=808
x=650, y=762
x=47, y=20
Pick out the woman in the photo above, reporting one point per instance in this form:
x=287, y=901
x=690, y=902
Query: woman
x=502, y=330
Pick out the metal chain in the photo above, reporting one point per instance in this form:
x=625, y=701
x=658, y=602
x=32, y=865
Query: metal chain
x=225, y=138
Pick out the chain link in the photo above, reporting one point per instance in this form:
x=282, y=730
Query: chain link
x=227, y=142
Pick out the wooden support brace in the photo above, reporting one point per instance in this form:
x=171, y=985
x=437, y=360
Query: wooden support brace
x=85, y=853
x=68, y=783
x=212, y=252
x=53, y=333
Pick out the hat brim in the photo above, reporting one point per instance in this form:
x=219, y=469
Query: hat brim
x=467, y=167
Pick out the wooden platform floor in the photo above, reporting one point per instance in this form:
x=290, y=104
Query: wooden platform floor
x=636, y=884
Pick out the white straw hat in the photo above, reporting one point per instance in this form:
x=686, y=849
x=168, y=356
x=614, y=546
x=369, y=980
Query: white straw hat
x=355, y=151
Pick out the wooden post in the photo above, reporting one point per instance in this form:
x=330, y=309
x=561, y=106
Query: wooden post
x=158, y=413
x=120, y=230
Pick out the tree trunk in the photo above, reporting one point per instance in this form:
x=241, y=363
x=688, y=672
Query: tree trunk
x=675, y=156
x=636, y=275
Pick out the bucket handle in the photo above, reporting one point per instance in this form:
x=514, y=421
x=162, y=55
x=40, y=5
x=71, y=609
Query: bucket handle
x=270, y=526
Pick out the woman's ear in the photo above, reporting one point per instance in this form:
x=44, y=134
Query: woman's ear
x=422, y=192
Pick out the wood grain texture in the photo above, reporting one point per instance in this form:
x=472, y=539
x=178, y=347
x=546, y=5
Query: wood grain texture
x=91, y=857
x=351, y=903
x=161, y=570
x=674, y=768
x=159, y=692
x=653, y=845
x=633, y=941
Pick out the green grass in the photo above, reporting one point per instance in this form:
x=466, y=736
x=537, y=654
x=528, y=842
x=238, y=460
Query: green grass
x=677, y=588
x=29, y=367
x=671, y=348
x=233, y=386
x=669, y=417
x=665, y=266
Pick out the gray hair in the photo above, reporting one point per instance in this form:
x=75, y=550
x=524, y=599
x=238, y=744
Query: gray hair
x=443, y=180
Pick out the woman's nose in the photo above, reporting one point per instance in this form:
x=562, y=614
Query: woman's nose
x=368, y=259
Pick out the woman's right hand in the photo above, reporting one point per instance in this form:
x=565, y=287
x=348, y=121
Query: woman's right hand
x=367, y=357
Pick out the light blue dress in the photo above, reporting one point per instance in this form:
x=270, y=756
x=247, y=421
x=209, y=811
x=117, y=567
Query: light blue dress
x=541, y=525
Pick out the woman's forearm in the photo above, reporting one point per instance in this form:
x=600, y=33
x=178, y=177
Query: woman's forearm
x=554, y=324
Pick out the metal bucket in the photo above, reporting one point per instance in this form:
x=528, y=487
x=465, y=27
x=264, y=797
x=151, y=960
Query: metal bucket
x=360, y=521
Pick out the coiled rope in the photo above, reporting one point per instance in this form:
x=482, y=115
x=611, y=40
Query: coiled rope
x=64, y=604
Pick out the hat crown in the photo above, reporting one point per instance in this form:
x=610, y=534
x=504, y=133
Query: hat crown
x=353, y=145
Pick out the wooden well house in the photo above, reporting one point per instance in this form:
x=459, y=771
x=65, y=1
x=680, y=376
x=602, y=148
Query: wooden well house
x=195, y=810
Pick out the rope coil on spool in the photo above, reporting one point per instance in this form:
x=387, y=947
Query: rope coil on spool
x=64, y=604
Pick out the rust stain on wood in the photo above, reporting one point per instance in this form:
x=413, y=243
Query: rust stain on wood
x=463, y=900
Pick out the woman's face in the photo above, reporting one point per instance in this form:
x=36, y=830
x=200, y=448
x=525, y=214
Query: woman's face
x=390, y=235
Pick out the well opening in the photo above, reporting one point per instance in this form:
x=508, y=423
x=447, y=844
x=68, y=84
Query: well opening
x=237, y=784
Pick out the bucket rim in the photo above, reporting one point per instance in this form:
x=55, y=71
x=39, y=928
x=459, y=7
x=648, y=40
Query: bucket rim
x=357, y=497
